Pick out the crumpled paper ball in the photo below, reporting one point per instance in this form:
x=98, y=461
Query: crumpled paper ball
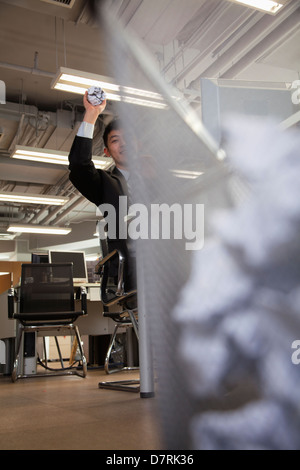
x=96, y=95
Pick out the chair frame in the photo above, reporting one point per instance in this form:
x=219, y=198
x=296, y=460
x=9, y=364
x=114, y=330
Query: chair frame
x=125, y=318
x=47, y=322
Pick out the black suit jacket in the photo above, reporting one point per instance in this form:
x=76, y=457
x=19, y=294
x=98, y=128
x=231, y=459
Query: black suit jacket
x=99, y=187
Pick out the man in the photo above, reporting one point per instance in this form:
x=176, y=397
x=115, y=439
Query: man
x=98, y=186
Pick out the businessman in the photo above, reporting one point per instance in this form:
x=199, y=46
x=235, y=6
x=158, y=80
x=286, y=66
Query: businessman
x=99, y=186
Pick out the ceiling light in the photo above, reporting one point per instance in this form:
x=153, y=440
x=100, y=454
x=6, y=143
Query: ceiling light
x=30, y=199
x=75, y=81
x=2, y=273
x=267, y=6
x=51, y=230
x=187, y=174
x=56, y=157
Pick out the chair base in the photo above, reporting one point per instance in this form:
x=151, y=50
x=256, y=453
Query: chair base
x=108, y=367
x=122, y=385
x=16, y=376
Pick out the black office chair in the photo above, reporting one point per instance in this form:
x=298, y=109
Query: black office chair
x=113, y=293
x=47, y=306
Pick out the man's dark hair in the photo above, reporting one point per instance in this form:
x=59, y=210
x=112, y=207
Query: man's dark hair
x=111, y=126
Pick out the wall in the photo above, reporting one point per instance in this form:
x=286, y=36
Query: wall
x=13, y=267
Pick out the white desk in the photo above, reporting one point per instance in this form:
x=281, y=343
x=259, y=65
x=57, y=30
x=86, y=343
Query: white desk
x=94, y=323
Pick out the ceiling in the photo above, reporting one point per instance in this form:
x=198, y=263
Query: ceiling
x=189, y=39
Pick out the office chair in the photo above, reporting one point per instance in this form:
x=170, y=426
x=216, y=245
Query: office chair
x=113, y=294
x=46, y=307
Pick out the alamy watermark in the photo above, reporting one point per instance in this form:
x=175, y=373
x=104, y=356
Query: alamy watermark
x=296, y=354
x=156, y=222
x=296, y=93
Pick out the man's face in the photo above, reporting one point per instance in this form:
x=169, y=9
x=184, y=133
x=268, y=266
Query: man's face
x=116, y=148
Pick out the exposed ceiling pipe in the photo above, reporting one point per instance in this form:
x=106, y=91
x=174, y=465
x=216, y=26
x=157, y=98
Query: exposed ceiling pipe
x=62, y=187
x=214, y=14
x=17, y=136
x=222, y=39
x=129, y=10
x=38, y=214
x=31, y=70
x=69, y=209
x=57, y=210
x=277, y=37
x=254, y=36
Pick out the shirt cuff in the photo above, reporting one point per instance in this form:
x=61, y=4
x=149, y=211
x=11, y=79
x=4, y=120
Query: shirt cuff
x=86, y=129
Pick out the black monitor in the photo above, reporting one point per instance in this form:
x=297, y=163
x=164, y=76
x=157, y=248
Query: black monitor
x=75, y=257
x=39, y=258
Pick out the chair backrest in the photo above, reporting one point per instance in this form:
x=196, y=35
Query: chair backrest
x=47, y=287
x=108, y=283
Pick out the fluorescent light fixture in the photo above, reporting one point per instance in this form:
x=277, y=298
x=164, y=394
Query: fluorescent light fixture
x=267, y=6
x=30, y=199
x=56, y=157
x=76, y=81
x=187, y=174
x=2, y=273
x=47, y=229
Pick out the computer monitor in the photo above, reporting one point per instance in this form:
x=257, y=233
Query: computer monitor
x=221, y=98
x=39, y=258
x=75, y=257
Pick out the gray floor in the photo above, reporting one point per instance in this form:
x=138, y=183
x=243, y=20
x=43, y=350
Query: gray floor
x=66, y=413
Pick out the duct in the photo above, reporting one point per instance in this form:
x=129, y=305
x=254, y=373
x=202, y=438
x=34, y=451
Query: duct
x=35, y=217
x=14, y=111
x=64, y=181
x=214, y=14
x=69, y=209
x=52, y=214
x=31, y=70
x=211, y=49
x=253, y=36
x=279, y=36
x=20, y=126
x=39, y=214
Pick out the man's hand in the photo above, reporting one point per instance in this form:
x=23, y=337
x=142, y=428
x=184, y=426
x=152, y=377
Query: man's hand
x=92, y=112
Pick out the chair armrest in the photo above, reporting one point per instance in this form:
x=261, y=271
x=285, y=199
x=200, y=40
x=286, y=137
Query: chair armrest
x=83, y=297
x=11, y=302
x=112, y=254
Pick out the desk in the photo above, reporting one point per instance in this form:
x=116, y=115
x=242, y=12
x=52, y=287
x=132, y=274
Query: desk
x=94, y=323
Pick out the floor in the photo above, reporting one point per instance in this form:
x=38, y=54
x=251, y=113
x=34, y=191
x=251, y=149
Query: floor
x=69, y=412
